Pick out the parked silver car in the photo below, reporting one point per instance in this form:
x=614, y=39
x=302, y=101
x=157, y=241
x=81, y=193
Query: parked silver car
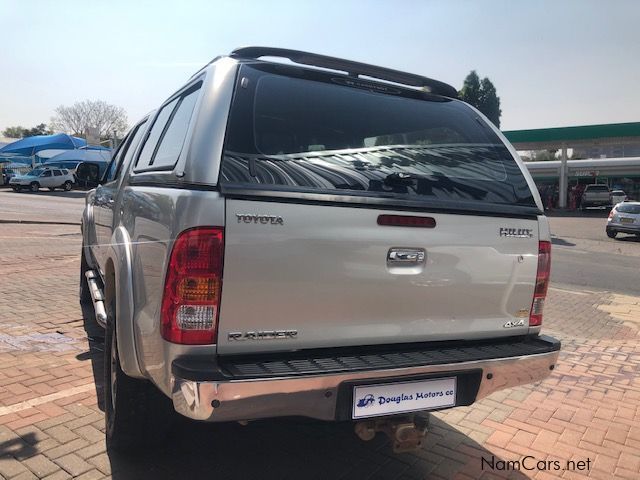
x=278, y=240
x=46, y=177
x=624, y=218
x=595, y=195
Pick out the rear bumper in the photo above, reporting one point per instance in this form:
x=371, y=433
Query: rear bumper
x=320, y=386
x=623, y=228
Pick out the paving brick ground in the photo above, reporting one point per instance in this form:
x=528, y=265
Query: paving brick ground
x=51, y=421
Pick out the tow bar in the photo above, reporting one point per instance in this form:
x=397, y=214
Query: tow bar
x=406, y=432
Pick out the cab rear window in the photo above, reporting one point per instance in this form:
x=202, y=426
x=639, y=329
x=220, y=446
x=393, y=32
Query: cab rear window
x=318, y=135
x=597, y=188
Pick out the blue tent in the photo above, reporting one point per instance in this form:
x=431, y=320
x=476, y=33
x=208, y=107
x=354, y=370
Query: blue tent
x=95, y=147
x=31, y=145
x=82, y=156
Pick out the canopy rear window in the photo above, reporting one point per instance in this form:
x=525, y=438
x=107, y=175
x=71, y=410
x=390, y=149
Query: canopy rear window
x=311, y=132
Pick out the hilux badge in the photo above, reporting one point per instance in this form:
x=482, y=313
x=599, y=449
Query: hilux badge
x=516, y=232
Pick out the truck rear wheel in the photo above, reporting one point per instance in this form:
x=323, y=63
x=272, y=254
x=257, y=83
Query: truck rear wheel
x=137, y=415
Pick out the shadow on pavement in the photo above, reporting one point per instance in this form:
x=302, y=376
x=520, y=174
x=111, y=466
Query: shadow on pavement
x=628, y=238
x=298, y=448
x=20, y=447
x=58, y=193
x=95, y=335
x=562, y=242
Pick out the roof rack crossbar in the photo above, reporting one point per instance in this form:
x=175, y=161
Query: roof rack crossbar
x=350, y=67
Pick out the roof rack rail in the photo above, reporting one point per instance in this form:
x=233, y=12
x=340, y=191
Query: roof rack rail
x=353, y=69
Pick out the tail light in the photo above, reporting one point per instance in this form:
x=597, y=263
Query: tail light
x=192, y=287
x=612, y=213
x=542, y=283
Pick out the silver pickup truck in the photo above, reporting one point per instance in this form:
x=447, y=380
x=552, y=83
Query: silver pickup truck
x=319, y=238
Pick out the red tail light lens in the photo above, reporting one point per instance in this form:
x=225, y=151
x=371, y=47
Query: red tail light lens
x=191, y=300
x=542, y=283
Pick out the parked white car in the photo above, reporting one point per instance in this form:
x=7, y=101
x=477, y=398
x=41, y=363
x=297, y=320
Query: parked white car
x=617, y=196
x=37, y=178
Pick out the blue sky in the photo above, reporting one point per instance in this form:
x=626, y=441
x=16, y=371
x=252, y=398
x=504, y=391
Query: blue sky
x=554, y=63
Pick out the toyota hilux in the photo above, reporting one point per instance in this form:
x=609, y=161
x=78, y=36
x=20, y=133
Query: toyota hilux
x=292, y=234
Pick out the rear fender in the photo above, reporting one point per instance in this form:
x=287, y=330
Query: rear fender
x=120, y=255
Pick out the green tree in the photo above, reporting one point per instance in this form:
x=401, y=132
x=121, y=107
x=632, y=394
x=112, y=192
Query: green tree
x=482, y=95
x=489, y=102
x=470, y=92
x=13, y=132
x=21, y=132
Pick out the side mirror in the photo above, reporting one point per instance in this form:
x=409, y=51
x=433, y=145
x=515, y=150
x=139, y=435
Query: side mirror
x=87, y=175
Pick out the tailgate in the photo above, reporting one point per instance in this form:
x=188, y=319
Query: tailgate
x=322, y=276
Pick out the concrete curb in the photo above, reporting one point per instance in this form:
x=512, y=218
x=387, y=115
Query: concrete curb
x=37, y=222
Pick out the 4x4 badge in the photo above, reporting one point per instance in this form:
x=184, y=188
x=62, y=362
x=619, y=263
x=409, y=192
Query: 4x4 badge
x=513, y=323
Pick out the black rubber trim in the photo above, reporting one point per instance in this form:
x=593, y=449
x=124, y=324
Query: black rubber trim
x=353, y=69
x=143, y=180
x=353, y=359
x=632, y=231
x=383, y=203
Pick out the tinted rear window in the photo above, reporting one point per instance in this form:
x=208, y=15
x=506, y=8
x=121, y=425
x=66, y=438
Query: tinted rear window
x=316, y=135
x=597, y=188
x=628, y=208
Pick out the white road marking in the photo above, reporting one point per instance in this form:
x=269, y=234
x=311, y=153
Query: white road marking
x=569, y=249
x=18, y=407
x=575, y=292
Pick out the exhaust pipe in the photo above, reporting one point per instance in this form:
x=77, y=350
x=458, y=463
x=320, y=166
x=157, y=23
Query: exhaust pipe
x=405, y=432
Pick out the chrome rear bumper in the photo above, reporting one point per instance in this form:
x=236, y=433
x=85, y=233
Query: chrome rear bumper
x=319, y=396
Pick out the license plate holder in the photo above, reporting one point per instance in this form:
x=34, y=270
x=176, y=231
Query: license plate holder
x=378, y=399
x=626, y=220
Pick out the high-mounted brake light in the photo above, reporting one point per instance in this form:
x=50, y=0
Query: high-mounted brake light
x=406, y=221
x=192, y=288
x=542, y=283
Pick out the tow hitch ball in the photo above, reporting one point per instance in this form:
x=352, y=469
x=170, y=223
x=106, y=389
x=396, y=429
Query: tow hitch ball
x=406, y=432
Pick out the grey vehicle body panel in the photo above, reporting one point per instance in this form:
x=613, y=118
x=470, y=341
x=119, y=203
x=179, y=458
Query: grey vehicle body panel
x=269, y=278
x=324, y=273
x=591, y=197
x=616, y=223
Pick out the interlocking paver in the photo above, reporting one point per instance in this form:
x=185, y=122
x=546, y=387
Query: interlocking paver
x=41, y=465
x=10, y=467
x=73, y=464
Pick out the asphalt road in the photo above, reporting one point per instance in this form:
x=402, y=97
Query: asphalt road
x=44, y=206
x=583, y=255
